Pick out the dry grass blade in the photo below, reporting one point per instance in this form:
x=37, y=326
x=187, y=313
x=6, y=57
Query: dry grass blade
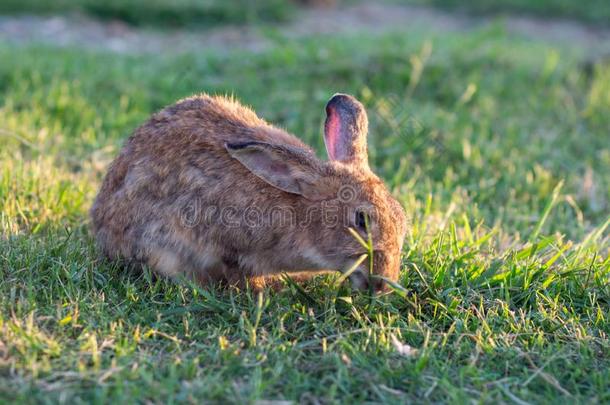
x=349, y=272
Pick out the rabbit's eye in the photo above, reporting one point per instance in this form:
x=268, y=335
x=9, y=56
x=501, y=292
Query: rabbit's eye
x=360, y=221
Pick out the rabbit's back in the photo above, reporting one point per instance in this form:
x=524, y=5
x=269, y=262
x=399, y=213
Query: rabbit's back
x=178, y=156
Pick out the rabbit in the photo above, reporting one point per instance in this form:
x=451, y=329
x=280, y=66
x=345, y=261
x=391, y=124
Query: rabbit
x=206, y=189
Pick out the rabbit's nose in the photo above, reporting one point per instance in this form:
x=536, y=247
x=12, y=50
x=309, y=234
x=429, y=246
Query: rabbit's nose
x=385, y=265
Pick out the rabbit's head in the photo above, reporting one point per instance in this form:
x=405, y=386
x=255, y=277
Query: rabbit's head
x=366, y=204
x=336, y=195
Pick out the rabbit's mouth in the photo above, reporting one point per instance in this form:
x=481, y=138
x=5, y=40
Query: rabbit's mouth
x=359, y=279
x=362, y=282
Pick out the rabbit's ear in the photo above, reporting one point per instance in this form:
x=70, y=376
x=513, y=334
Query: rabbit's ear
x=345, y=130
x=283, y=167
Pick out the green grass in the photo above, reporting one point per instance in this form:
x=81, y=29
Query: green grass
x=590, y=11
x=188, y=13
x=496, y=146
x=191, y=13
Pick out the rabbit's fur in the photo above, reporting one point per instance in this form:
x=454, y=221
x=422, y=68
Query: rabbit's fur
x=208, y=190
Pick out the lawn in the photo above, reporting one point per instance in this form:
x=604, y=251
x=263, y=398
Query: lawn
x=161, y=13
x=496, y=145
x=592, y=11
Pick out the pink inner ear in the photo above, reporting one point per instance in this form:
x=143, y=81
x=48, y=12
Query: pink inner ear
x=332, y=132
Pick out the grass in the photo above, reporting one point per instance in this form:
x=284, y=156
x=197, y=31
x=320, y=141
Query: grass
x=193, y=13
x=495, y=145
x=177, y=13
x=590, y=11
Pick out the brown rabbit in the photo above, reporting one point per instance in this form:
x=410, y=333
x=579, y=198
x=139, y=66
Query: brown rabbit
x=208, y=190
